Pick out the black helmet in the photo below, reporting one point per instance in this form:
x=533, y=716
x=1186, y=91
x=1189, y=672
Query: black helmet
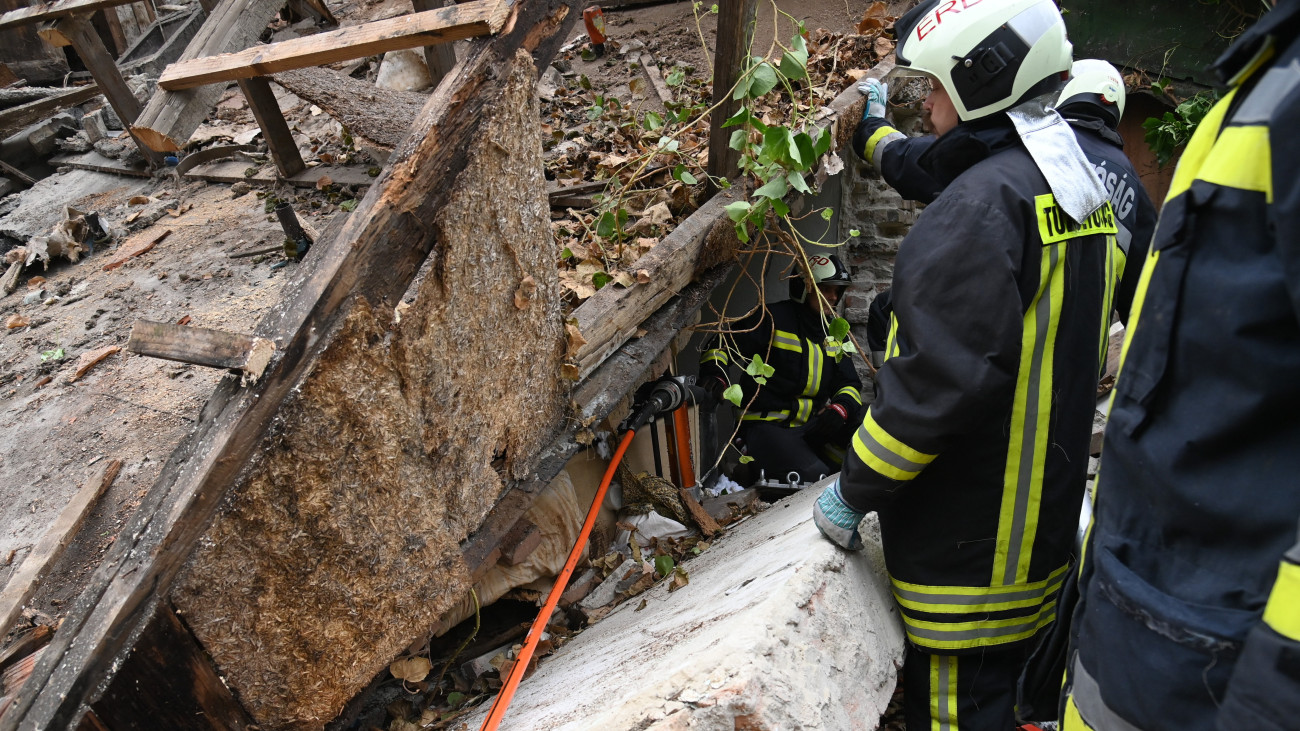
x=826, y=269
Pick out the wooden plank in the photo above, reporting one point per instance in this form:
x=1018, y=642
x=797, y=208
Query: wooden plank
x=233, y=172
x=735, y=31
x=170, y=117
x=17, y=175
x=374, y=256
x=470, y=20
x=114, y=24
x=279, y=140
x=94, y=161
x=55, y=10
x=613, y=314
x=439, y=57
x=16, y=118
x=203, y=346
x=91, y=49
x=182, y=686
x=24, y=582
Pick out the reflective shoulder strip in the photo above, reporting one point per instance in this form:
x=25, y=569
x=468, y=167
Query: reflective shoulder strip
x=943, y=693
x=715, y=355
x=1241, y=159
x=851, y=392
x=884, y=453
x=1054, y=225
x=891, y=342
x=1275, y=85
x=976, y=599
x=878, y=141
x=1198, y=148
x=787, y=341
x=1282, y=612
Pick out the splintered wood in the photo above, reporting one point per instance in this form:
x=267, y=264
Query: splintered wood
x=344, y=546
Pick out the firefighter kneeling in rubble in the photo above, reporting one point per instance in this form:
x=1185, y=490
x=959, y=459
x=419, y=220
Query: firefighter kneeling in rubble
x=801, y=418
x=975, y=450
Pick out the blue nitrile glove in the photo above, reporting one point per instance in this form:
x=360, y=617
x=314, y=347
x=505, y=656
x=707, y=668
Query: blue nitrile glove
x=836, y=520
x=877, y=94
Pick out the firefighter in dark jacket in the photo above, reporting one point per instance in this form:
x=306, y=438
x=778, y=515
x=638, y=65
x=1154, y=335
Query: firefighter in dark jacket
x=975, y=450
x=1189, y=616
x=1093, y=103
x=803, y=414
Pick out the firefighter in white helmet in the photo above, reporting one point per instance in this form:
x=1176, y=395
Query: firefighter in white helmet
x=975, y=449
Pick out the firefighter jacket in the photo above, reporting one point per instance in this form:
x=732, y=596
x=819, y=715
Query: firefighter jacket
x=791, y=339
x=1190, y=596
x=974, y=452
x=897, y=157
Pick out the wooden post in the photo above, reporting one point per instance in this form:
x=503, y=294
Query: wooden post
x=440, y=57
x=735, y=32
x=261, y=101
x=114, y=24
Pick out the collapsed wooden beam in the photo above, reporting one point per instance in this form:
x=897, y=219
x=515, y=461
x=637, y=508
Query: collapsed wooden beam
x=170, y=117
x=473, y=19
x=203, y=346
x=17, y=118
x=23, y=584
x=374, y=258
x=55, y=10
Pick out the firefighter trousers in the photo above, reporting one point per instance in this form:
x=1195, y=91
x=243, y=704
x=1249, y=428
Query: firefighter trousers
x=974, y=692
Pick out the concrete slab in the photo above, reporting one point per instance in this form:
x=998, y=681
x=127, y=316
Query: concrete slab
x=41, y=206
x=778, y=629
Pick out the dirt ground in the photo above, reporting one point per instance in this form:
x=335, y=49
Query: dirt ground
x=54, y=433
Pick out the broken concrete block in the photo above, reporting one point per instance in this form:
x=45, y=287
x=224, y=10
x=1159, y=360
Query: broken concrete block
x=94, y=126
x=607, y=591
x=723, y=507
x=777, y=629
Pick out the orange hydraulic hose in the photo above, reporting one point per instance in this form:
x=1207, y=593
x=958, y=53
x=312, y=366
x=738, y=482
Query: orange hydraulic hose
x=682, y=433
x=507, y=693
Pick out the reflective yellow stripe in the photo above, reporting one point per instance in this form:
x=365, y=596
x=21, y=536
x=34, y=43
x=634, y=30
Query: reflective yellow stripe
x=943, y=692
x=1241, y=159
x=882, y=452
x=891, y=343
x=978, y=633
x=1071, y=720
x=803, y=411
x=851, y=392
x=1054, y=225
x=710, y=356
x=1022, y=482
x=869, y=149
x=975, y=599
x=787, y=341
x=1282, y=612
x=767, y=416
x=814, y=380
x=1198, y=148
x=1139, y=299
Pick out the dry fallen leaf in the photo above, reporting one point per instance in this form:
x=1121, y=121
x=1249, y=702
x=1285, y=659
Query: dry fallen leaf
x=411, y=669
x=680, y=579
x=642, y=276
x=576, y=341
x=570, y=372
x=16, y=321
x=623, y=279
x=884, y=47
x=184, y=320
x=856, y=74
x=524, y=295
x=324, y=182
x=35, y=282
x=876, y=17
x=138, y=200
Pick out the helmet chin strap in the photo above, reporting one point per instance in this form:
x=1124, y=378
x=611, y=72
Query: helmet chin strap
x=1052, y=145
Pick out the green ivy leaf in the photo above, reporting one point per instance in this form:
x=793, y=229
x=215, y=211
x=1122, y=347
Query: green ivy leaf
x=741, y=117
x=827, y=213
x=854, y=233
x=839, y=328
x=794, y=63
x=746, y=459
x=774, y=188
x=848, y=347
x=595, y=113
x=792, y=149
x=742, y=232
x=349, y=205
x=676, y=76
x=667, y=144
x=733, y=394
x=823, y=144
x=763, y=80
x=664, y=565
x=807, y=154
x=738, y=139
x=567, y=253
x=605, y=226
x=681, y=173
x=713, y=8
x=584, y=82
x=738, y=210
x=652, y=121
x=455, y=699
x=55, y=354
x=600, y=279
x=780, y=207
x=795, y=178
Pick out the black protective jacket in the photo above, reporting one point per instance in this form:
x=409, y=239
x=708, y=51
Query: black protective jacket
x=790, y=338
x=1190, y=598
x=975, y=450
x=897, y=157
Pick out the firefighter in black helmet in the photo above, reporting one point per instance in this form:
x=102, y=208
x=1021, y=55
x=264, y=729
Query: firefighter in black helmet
x=974, y=452
x=803, y=414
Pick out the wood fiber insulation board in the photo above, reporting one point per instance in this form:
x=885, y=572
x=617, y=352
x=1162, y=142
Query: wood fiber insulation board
x=374, y=257
x=386, y=458
x=379, y=116
x=170, y=117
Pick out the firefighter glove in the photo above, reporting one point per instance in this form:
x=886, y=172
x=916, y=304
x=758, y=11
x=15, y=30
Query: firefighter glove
x=836, y=520
x=828, y=423
x=876, y=94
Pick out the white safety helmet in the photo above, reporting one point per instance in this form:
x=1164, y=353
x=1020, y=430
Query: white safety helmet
x=988, y=54
x=1095, y=82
